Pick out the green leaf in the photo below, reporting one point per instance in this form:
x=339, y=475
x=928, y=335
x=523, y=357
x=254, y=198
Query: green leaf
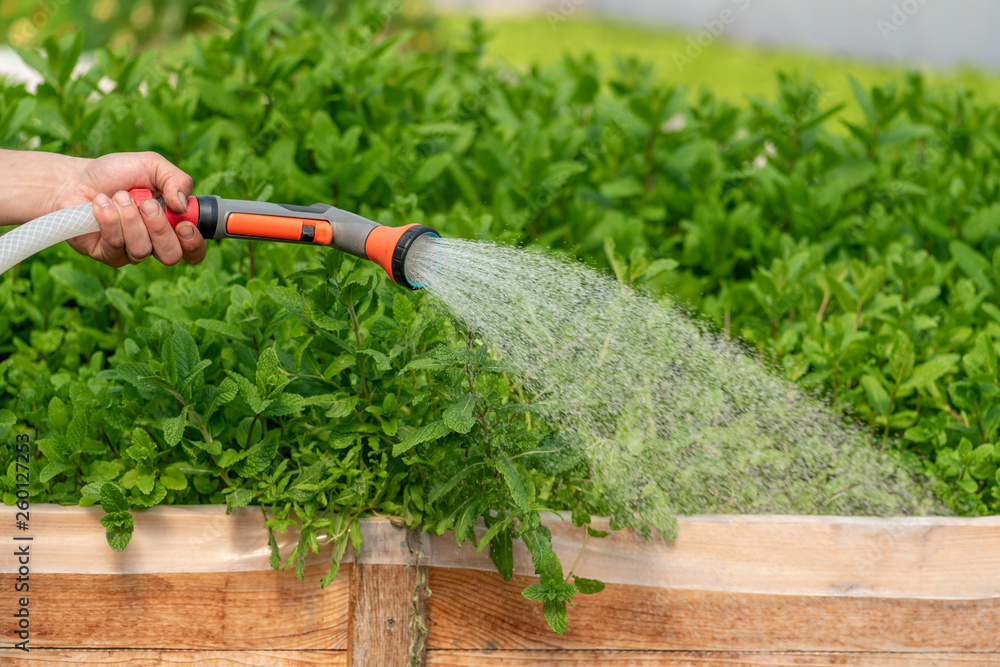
x=238, y=498
x=54, y=469
x=969, y=485
x=466, y=518
x=381, y=361
x=356, y=538
x=535, y=592
x=982, y=223
x=430, y=169
x=7, y=420
x=78, y=283
x=402, y=309
x=145, y=479
x=271, y=375
x=173, y=428
x=260, y=455
x=502, y=553
x=426, y=433
x=986, y=353
x=227, y=391
x=877, y=395
x=459, y=415
x=113, y=498
x=185, y=351
x=173, y=479
x=930, y=371
x=92, y=490
x=219, y=327
x=441, y=490
x=58, y=416
x=973, y=264
x=339, y=365
x=119, y=525
x=342, y=407
x=902, y=358
x=555, y=615
x=142, y=445
x=249, y=392
x=588, y=586
x=275, y=554
x=864, y=100
x=285, y=404
x=513, y=479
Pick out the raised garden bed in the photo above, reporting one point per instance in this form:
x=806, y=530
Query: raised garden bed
x=195, y=584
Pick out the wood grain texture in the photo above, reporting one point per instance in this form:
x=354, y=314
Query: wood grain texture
x=478, y=610
x=703, y=659
x=235, y=610
x=382, y=615
x=133, y=658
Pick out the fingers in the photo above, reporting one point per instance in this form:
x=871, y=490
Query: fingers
x=161, y=235
x=137, y=244
x=168, y=179
x=109, y=244
x=130, y=235
x=192, y=242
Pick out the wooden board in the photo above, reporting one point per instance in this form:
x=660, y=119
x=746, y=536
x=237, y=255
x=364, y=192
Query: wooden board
x=130, y=658
x=388, y=602
x=223, y=610
x=701, y=659
x=730, y=591
x=641, y=618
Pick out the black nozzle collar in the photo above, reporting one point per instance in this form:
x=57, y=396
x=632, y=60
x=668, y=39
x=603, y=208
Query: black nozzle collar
x=402, y=250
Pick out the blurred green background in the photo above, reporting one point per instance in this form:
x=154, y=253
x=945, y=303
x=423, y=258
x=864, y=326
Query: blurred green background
x=731, y=69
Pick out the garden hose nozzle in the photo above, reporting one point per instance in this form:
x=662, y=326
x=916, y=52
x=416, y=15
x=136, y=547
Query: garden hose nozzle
x=319, y=224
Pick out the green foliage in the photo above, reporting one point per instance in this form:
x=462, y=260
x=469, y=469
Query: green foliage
x=28, y=23
x=862, y=263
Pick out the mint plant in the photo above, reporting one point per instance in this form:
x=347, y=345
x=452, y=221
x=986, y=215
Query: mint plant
x=861, y=259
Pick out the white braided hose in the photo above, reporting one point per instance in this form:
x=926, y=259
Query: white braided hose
x=48, y=230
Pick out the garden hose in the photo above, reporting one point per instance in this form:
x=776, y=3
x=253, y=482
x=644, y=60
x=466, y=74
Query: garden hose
x=218, y=218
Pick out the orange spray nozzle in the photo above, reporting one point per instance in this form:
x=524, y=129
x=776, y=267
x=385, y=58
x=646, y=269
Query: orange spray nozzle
x=388, y=247
x=319, y=224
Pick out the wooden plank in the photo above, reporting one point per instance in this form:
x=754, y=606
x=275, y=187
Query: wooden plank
x=388, y=607
x=478, y=610
x=224, y=610
x=703, y=659
x=131, y=658
x=801, y=555
x=938, y=557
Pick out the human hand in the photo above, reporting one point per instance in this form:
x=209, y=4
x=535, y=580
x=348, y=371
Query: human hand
x=130, y=234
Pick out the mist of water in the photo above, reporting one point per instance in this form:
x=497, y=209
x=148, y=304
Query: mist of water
x=672, y=418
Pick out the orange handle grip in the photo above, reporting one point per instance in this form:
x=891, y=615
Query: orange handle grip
x=279, y=228
x=139, y=195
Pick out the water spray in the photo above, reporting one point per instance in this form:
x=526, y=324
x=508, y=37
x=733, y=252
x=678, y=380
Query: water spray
x=218, y=218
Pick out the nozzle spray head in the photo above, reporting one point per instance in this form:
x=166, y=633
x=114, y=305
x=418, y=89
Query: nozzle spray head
x=389, y=246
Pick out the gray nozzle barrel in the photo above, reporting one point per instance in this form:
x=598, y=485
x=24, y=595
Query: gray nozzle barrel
x=220, y=218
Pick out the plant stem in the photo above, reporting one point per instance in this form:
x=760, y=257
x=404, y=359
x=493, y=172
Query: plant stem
x=579, y=555
x=250, y=434
x=357, y=337
x=822, y=308
x=195, y=415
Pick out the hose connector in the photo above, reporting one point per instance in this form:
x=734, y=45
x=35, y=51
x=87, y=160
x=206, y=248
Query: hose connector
x=389, y=246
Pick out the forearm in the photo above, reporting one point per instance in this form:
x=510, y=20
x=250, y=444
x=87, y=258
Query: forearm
x=33, y=182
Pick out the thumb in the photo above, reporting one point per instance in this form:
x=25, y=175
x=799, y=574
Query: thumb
x=168, y=179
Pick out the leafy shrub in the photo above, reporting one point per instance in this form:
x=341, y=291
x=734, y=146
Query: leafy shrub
x=861, y=260
x=28, y=23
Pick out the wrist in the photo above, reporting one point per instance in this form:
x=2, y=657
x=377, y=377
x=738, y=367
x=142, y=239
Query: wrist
x=37, y=183
x=66, y=176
